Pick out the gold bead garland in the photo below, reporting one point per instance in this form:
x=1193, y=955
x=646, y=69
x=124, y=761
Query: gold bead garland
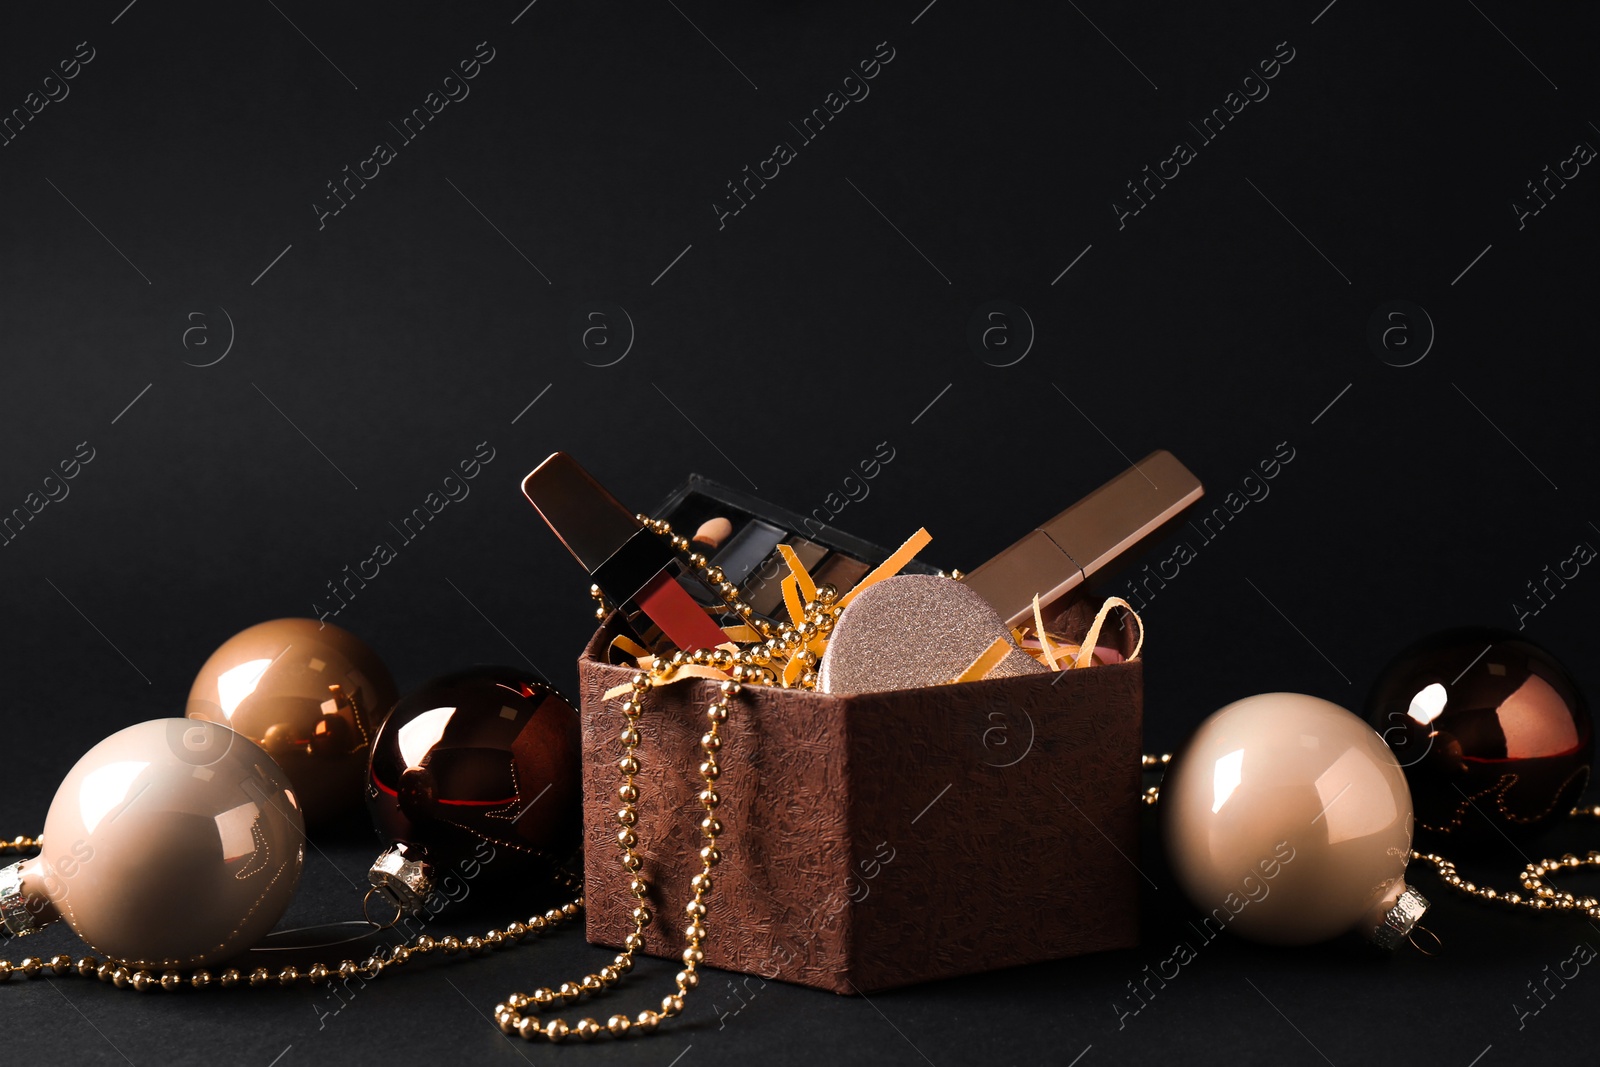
x=1537, y=894
x=1148, y=762
x=755, y=664
x=123, y=976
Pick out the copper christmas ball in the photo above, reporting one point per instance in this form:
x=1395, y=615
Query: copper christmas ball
x=309, y=693
x=475, y=775
x=1492, y=731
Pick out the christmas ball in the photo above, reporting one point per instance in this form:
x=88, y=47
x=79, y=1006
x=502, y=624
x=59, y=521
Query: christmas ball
x=474, y=785
x=1492, y=731
x=173, y=843
x=1287, y=820
x=311, y=694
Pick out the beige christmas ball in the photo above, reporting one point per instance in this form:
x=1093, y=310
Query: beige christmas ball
x=172, y=843
x=1287, y=820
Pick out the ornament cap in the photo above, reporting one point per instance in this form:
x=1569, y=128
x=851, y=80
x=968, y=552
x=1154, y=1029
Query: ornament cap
x=1399, y=920
x=17, y=919
x=404, y=877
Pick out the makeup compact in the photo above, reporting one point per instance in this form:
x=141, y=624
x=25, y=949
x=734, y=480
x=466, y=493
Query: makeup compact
x=915, y=630
x=1070, y=556
x=741, y=534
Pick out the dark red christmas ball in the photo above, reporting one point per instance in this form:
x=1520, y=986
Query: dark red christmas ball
x=475, y=776
x=1492, y=731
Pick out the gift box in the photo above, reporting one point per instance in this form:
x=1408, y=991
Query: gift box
x=881, y=839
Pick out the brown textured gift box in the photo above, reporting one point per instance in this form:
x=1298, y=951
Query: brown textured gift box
x=881, y=839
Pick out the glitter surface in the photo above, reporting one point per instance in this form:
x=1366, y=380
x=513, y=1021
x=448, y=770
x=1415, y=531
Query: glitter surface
x=914, y=630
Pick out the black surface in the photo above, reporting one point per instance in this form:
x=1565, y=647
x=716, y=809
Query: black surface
x=378, y=352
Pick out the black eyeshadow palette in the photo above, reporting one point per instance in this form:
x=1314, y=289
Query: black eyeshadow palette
x=748, y=553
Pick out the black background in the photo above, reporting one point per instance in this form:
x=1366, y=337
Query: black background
x=830, y=315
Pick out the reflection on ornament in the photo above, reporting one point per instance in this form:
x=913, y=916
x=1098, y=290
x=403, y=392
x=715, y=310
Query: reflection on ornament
x=1492, y=731
x=1287, y=820
x=311, y=694
x=475, y=774
x=173, y=843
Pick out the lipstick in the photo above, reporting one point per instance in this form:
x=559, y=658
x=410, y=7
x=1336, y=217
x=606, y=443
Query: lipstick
x=1092, y=539
x=637, y=570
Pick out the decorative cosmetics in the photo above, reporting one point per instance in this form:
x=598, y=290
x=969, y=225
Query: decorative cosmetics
x=1063, y=559
x=741, y=535
x=753, y=788
x=915, y=630
x=636, y=570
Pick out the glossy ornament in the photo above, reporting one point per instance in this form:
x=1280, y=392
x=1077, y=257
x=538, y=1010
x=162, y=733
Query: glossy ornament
x=311, y=694
x=172, y=843
x=475, y=775
x=1492, y=731
x=1287, y=820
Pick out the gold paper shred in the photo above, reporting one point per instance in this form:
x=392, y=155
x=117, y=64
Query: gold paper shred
x=791, y=600
x=891, y=566
x=629, y=646
x=1093, y=636
x=673, y=674
x=985, y=662
x=808, y=587
x=1044, y=636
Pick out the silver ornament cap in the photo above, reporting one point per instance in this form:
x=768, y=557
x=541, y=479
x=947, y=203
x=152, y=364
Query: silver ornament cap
x=1398, y=922
x=16, y=918
x=403, y=877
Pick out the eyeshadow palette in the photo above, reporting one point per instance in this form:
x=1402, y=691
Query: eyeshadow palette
x=745, y=544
